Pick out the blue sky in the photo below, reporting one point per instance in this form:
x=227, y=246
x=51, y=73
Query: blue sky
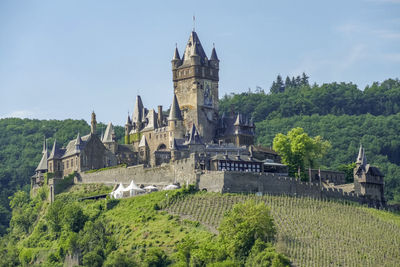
x=63, y=59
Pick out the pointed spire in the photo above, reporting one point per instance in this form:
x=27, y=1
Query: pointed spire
x=128, y=120
x=138, y=110
x=175, y=112
x=194, y=136
x=176, y=54
x=193, y=47
x=108, y=135
x=214, y=54
x=239, y=120
x=143, y=142
x=53, y=150
x=78, y=140
x=43, y=162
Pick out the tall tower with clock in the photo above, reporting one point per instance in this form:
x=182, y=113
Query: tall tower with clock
x=195, y=78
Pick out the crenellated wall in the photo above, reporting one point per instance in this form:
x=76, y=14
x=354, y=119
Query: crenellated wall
x=181, y=171
x=269, y=183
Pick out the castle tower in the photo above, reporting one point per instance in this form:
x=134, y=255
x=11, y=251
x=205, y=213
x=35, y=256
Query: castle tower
x=93, y=124
x=175, y=122
x=368, y=180
x=195, y=81
x=128, y=128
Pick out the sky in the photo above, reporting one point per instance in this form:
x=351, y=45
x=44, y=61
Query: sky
x=63, y=59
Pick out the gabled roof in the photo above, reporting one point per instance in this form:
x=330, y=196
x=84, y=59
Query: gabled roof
x=151, y=119
x=194, y=137
x=109, y=134
x=175, y=112
x=74, y=148
x=194, y=47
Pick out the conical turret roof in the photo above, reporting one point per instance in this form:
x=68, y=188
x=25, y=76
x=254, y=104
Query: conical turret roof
x=55, y=152
x=194, y=47
x=176, y=54
x=138, y=110
x=42, y=166
x=175, y=112
x=143, y=142
x=214, y=54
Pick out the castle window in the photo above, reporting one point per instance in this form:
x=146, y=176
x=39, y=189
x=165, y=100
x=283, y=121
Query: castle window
x=72, y=163
x=149, y=136
x=67, y=164
x=58, y=166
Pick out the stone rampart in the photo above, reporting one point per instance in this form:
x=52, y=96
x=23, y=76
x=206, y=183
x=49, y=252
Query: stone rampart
x=269, y=183
x=180, y=171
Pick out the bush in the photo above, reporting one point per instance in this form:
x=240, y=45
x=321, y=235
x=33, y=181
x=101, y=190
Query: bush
x=243, y=226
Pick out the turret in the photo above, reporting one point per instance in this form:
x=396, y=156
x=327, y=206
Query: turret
x=175, y=120
x=214, y=61
x=176, y=60
x=128, y=128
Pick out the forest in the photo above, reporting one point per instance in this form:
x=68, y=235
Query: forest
x=339, y=112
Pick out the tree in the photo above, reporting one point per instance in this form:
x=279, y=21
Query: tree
x=243, y=225
x=277, y=86
x=298, y=150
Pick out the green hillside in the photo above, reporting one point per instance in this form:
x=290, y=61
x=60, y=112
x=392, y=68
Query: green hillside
x=128, y=232
x=312, y=232
x=21, y=143
x=180, y=228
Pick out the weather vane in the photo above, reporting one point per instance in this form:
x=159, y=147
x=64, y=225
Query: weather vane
x=194, y=22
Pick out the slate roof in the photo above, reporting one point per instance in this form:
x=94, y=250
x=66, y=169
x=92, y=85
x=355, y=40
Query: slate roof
x=214, y=54
x=175, y=111
x=143, y=142
x=194, y=137
x=56, y=152
x=108, y=135
x=245, y=158
x=71, y=148
x=137, y=114
x=193, y=47
x=176, y=54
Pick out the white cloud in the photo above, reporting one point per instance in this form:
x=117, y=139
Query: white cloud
x=19, y=114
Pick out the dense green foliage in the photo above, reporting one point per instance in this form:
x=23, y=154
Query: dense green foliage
x=133, y=232
x=303, y=99
x=340, y=113
x=378, y=134
x=21, y=143
x=299, y=151
x=310, y=232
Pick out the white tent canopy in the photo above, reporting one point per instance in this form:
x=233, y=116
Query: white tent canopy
x=118, y=193
x=133, y=189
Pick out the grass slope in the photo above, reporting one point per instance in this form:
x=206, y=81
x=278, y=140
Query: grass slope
x=312, y=232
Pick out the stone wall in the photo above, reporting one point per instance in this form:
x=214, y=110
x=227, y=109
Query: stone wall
x=180, y=171
x=269, y=183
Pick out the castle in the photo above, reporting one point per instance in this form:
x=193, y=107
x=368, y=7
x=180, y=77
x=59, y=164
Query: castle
x=192, y=143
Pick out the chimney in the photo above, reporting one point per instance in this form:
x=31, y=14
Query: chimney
x=160, y=116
